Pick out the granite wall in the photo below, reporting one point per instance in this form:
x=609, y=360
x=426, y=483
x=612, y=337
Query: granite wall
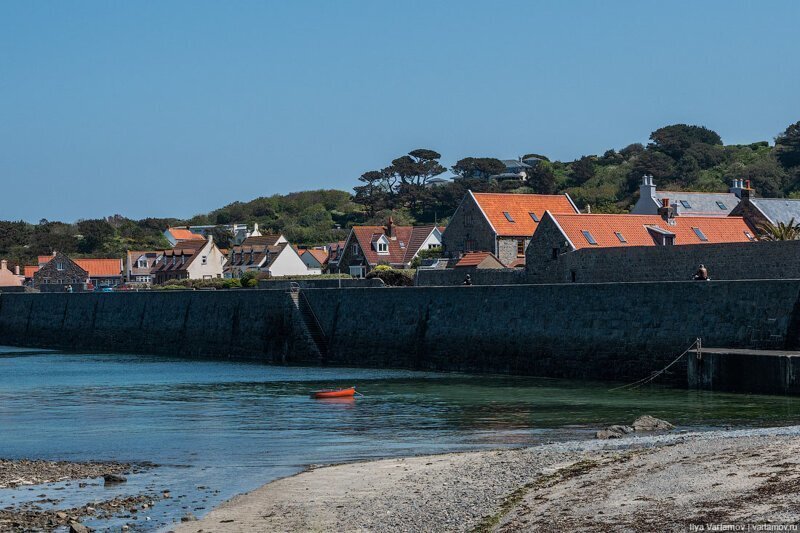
x=442, y=277
x=591, y=331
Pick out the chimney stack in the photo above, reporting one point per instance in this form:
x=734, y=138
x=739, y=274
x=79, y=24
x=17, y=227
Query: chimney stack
x=16, y=270
x=647, y=189
x=390, y=227
x=4, y=264
x=666, y=211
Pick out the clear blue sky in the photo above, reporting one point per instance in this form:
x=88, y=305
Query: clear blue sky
x=154, y=108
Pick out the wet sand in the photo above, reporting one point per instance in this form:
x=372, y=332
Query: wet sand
x=664, y=482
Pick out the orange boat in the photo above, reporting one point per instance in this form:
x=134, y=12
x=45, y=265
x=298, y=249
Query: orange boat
x=334, y=393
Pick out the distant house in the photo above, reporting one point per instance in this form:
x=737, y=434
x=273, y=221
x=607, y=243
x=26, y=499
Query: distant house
x=515, y=169
x=238, y=232
x=315, y=259
x=335, y=250
x=501, y=224
x=59, y=272
x=478, y=261
x=369, y=246
x=707, y=204
x=28, y=272
x=176, y=235
x=564, y=233
x=8, y=278
x=190, y=259
x=138, y=265
x=267, y=254
x=761, y=211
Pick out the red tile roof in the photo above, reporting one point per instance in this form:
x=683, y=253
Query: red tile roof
x=403, y=244
x=319, y=255
x=99, y=268
x=31, y=270
x=633, y=229
x=520, y=207
x=183, y=234
x=473, y=259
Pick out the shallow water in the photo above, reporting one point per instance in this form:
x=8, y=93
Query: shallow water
x=229, y=426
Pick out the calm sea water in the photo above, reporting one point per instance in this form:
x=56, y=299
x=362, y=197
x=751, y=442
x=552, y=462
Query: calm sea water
x=217, y=429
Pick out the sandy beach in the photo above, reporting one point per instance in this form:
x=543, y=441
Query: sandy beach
x=662, y=482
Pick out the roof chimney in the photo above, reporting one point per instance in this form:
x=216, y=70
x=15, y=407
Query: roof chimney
x=736, y=187
x=666, y=211
x=16, y=270
x=747, y=192
x=390, y=227
x=647, y=189
x=4, y=264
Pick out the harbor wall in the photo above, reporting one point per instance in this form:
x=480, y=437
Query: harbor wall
x=615, y=331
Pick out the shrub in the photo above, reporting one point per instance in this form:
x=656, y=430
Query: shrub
x=393, y=277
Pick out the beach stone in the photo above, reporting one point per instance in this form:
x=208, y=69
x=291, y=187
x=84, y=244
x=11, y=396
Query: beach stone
x=61, y=515
x=605, y=434
x=114, y=478
x=649, y=423
x=77, y=527
x=188, y=517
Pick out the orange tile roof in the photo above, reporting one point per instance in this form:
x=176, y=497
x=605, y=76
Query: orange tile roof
x=100, y=267
x=319, y=255
x=44, y=259
x=183, y=234
x=31, y=270
x=520, y=207
x=634, y=229
x=473, y=259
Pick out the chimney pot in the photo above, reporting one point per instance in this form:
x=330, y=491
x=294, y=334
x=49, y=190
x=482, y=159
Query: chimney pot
x=4, y=264
x=747, y=183
x=664, y=202
x=16, y=270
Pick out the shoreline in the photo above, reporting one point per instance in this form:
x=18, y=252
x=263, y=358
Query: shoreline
x=666, y=481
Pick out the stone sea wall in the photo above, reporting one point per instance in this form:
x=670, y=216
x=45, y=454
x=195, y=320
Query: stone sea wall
x=592, y=331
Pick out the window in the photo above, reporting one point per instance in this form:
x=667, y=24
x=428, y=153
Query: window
x=469, y=220
x=357, y=271
x=700, y=234
x=588, y=236
x=555, y=253
x=533, y=216
x=686, y=204
x=469, y=245
x=520, y=247
x=59, y=266
x=141, y=263
x=721, y=205
x=749, y=236
x=508, y=216
x=383, y=247
x=434, y=246
x=204, y=260
x=620, y=237
x=355, y=248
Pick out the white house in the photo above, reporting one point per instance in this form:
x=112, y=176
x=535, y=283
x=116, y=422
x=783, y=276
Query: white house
x=267, y=254
x=192, y=259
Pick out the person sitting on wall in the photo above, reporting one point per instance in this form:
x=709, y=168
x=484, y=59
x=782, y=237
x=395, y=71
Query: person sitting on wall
x=701, y=274
x=468, y=280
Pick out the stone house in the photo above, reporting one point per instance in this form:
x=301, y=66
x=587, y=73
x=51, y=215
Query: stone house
x=58, y=272
x=266, y=254
x=105, y=272
x=707, y=204
x=761, y=211
x=499, y=223
x=191, y=259
x=560, y=234
x=369, y=246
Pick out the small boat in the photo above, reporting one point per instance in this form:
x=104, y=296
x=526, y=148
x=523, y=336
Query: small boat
x=334, y=393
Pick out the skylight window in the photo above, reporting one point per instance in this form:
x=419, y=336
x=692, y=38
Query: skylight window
x=686, y=204
x=533, y=216
x=749, y=235
x=508, y=216
x=588, y=236
x=721, y=205
x=700, y=234
x=620, y=237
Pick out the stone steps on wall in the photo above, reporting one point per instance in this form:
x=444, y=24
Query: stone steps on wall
x=311, y=327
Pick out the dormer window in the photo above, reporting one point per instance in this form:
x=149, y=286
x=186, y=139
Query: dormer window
x=141, y=263
x=382, y=245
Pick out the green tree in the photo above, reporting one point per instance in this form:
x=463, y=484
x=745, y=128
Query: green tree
x=543, y=179
x=787, y=146
x=95, y=234
x=659, y=165
x=536, y=156
x=582, y=170
x=478, y=167
x=674, y=140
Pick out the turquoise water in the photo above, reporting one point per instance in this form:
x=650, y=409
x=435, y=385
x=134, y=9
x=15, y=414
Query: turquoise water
x=229, y=427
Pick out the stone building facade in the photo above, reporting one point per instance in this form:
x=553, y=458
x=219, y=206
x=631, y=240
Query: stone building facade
x=58, y=273
x=501, y=224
